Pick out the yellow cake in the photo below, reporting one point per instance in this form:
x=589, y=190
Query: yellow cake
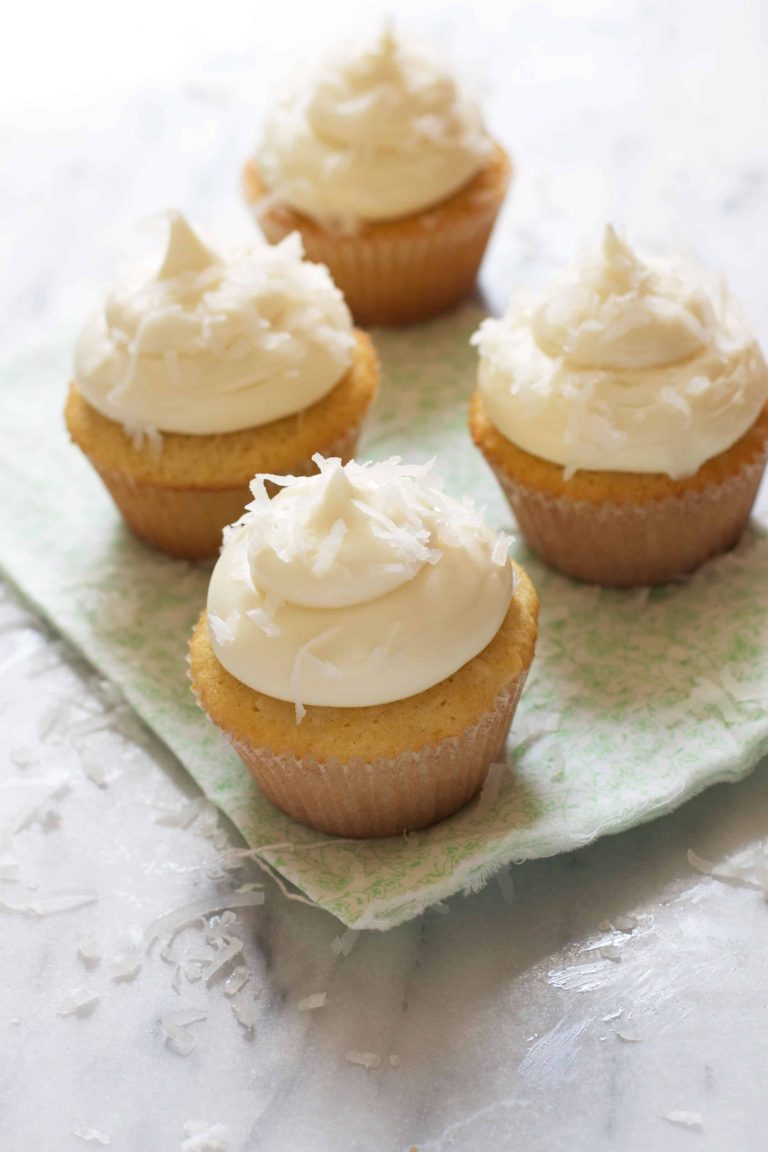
x=625, y=418
x=381, y=162
x=365, y=768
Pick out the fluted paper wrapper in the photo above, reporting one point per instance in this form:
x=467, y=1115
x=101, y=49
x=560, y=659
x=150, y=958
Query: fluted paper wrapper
x=627, y=545
x=393, y=279
x=398, y=271
x=188, y=522
x=386, y=796
x=636, y=700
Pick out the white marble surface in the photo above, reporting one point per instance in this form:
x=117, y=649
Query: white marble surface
x=510, y=1028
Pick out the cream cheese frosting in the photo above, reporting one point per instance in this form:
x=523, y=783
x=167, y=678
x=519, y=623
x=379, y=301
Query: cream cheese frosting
x=629, y=363
x=378, y=131
x=359, y=585
x=208, y=344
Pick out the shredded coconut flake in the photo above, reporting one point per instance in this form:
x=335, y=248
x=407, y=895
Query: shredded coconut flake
x=612, y=1016
x=175, y=1027
x=172, y=923
x=89, y=951
x=364, y=1059
x=125, y=968
x=204, y=1137
x=91, y=1135
x=610, y=952
x=233, y=948
x=79, y=1002
x=59, y=900
x=684, y=1119
x=309, y=1003
x=236, y=981
x=343, y=945
x=740, y=875
x=501, y=547
x=244, y=1008
x=224, y=630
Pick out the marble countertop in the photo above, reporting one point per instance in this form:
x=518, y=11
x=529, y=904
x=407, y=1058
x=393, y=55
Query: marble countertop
x=611, y=999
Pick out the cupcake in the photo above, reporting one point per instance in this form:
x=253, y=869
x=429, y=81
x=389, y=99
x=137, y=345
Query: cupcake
x=382, y=163
x=194, y=376
x=625, y=417
x=364, y=647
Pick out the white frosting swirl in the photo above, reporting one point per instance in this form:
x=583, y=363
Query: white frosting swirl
x=378, y=131
x=629, y=364
x=208, y=345
x=359, y=585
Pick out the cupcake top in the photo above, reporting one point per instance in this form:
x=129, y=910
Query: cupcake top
x=628, y=363
x=377, y=131
x=208, y=344
x=359, y=585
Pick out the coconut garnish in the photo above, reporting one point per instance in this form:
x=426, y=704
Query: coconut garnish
x=175, y=1028
x=500, y=553
x=125, y=968
x=612, y=1016
x=310, y=1003
x=366, y=1060
x=89, y=951
x=231, y=950
x=224, y=630
x=204, y=1137
x=244, y=1007
x=57, y=900
x=91, y=1135
x=684, y=1119
x=169, y=925
x=236, y=981
x=298, y=663
x=329, y=549
x=79, y=1002
x=740, y=875
x=342, y=945
x=264, y=614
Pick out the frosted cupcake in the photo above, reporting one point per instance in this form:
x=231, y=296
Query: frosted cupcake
x=197, y=374
x=625, y=417
x=382, y=163
x=364, y=647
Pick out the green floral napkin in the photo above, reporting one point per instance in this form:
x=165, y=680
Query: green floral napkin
x=636, y=700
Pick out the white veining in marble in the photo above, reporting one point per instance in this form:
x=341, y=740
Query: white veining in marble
x=613, y=999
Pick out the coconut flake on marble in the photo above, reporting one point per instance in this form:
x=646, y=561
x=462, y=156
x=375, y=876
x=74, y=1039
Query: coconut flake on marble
x=125, y=968
x=89, y=951
x=310, y=1003
x=170, y=924
x=79, y=1002
x=684, y=1119
x=342, y=945
x=204, y=1137
x=91, y=1135
x=175, y=1028
x=363, y=1059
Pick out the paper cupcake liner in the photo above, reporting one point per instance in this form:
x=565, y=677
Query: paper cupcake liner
x=188, y=522
x=388, y=795
x=623, y=545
